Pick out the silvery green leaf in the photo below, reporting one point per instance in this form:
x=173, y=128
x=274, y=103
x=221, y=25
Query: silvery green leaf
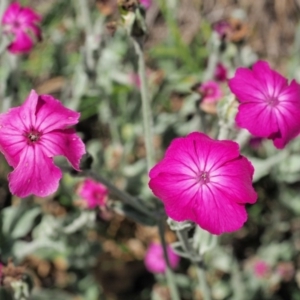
x=221, y=260
x=21, y=249
x=25, y=223
x=18, y=220
x=45, y=294
x=220, y=290
x=204, y=241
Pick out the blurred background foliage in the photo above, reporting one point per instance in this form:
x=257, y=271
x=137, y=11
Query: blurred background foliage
x=68, y=252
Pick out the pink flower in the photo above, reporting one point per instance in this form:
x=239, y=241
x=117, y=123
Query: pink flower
x=154, y=258
x=22, y=24
x=30, y=135
x=220, y=72
x=135, y=80
x=261, y=268
x=210, y=91
x=269, y=106
x=93, y=192
x=204, y=181
x=146, y=3
x=222, y=27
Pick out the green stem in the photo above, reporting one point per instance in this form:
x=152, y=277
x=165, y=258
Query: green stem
x=243, y=137
x=197, y=261
x=169, y=274
x=146, y=107
x=224, y=131
x=127, y=198
x=122, y=195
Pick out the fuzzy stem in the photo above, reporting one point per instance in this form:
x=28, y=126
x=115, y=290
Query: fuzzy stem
x=224, y=131
x=196, y=260
x=243, y=137
x=4, y=43
x=127, y=198
x=122, y=195
x=169, y=274
x=146, y=108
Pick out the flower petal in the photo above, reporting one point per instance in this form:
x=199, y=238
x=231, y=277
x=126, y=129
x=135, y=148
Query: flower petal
x=217, y=213
x=271, y=81
x=177, y=191
x=52, y=115
x=28, y=16
x=12, y=140
x=259, y=119
x=64, y=142
x=11, y=13
x=235, y=178
x=288, y=115
x=35, y=174
x=22, y=43
x=245, y=86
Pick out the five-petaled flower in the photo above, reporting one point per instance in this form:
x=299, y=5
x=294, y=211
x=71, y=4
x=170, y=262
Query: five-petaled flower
x=94, y=193
x=269, y=106
x=205, y=181
x=154, y=258
x=22, y=24
x=30, y=136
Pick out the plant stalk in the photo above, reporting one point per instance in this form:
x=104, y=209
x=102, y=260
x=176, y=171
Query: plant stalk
x=169, y=273
x=197, y=261
x=146, y=107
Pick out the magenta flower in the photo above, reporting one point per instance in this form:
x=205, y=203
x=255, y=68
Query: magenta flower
x=154, y=258
x=30, y=136
x=220, y=72
x=22, y=24
x=269, y=106
x=93, y=192
x=146, y=3
x=204, y=181
x=210, y=91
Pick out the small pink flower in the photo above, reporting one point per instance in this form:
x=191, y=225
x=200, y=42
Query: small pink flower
x=135, y=80
x=222, y=27
x=204, y=181
x=220, y=72
x=269, y=106
x=154, y=258
x=30, y=136
x=93, y=192
x=261, y=268
x=210, y=91
x=22, y=24
x=146, y=3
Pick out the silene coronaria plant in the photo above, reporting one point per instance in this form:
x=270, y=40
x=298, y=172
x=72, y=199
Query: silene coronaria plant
x=203, y=182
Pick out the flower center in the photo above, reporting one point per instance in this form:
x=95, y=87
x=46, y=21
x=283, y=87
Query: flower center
x=203, y=177
x=272, y=101
x=16, y=24
x=32, y=136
